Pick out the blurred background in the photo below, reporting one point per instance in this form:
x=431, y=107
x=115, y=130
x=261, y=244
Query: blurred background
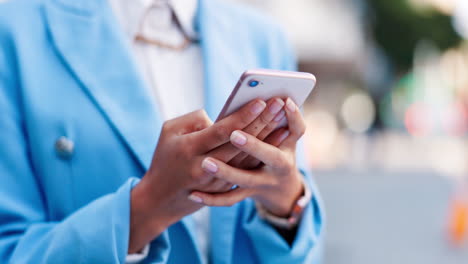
x=387, y=124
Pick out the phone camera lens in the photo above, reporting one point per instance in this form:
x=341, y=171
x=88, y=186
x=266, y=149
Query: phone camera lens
x=253, y=83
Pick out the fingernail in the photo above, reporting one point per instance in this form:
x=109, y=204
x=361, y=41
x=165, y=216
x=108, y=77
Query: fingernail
x=238, y=138
x=209, y=166
x=195, y=198
x=279, y=116
x=276, y=106
x=291, y=105
x=284, y=136
x=258, y=107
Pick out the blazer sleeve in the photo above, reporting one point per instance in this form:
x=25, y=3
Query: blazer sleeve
x=269, y=245
x=96, y=233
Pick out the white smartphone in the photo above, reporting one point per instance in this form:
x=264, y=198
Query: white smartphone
x=265, y=84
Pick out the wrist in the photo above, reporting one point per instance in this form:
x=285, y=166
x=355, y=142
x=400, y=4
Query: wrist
x=144, y=225
x=281, y=208
x=294, y=216
x=282, y=203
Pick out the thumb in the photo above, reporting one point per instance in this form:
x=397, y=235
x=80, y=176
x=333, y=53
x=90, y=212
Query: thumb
x=188, y=123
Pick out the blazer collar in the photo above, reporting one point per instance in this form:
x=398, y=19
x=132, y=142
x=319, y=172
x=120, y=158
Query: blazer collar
x=130, y=13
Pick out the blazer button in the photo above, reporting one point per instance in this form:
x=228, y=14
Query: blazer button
x=64, y=147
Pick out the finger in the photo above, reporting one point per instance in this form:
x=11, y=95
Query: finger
x=258, y=149
x=227, y=152
x=275, y=139
x=216, y=186
x=296, y=125
x=221, y=199
x=274, y=107
x=223, y=171
x=265, y=133
x=218, y=134
x=188, y=123
x=238, y=159
x=200, y=175
x=272, y=125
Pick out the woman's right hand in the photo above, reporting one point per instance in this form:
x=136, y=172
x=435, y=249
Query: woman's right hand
x=160, y=199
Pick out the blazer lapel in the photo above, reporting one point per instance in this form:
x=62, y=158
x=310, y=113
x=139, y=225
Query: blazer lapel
x=221, y=66
x=86, y=36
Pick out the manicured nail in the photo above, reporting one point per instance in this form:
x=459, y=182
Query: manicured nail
x=195, y=199
x=276, y=106
x=258, y=107
x=291, y=105
x=279, y=116
x=209, y=166
x=284, y=136
x=238, y=138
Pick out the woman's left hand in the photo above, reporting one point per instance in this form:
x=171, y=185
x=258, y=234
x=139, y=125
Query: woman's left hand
x=277, y=184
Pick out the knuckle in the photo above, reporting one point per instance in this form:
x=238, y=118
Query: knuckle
x=288, y=168
x=202, y=115
x=245, y=118
x=300, y=125
x=299, y=131
x=264, y=134
x=202, y=119
x=302, y=129
x=196, y=173
x=269, y=127
x=166, y=127
x=280, y=161
x=264, y=118
x=221, y=133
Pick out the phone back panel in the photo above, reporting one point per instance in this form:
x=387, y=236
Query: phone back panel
x=271, y=83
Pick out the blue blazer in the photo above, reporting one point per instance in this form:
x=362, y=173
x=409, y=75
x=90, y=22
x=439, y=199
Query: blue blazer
x=66, y=72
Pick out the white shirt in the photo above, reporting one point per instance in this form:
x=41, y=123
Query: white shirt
x=175, y=78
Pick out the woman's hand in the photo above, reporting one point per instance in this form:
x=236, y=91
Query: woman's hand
x=277, y=184
x=261, y=128
x=160, y=199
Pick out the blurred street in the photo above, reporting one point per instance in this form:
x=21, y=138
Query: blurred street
x=377, y=216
